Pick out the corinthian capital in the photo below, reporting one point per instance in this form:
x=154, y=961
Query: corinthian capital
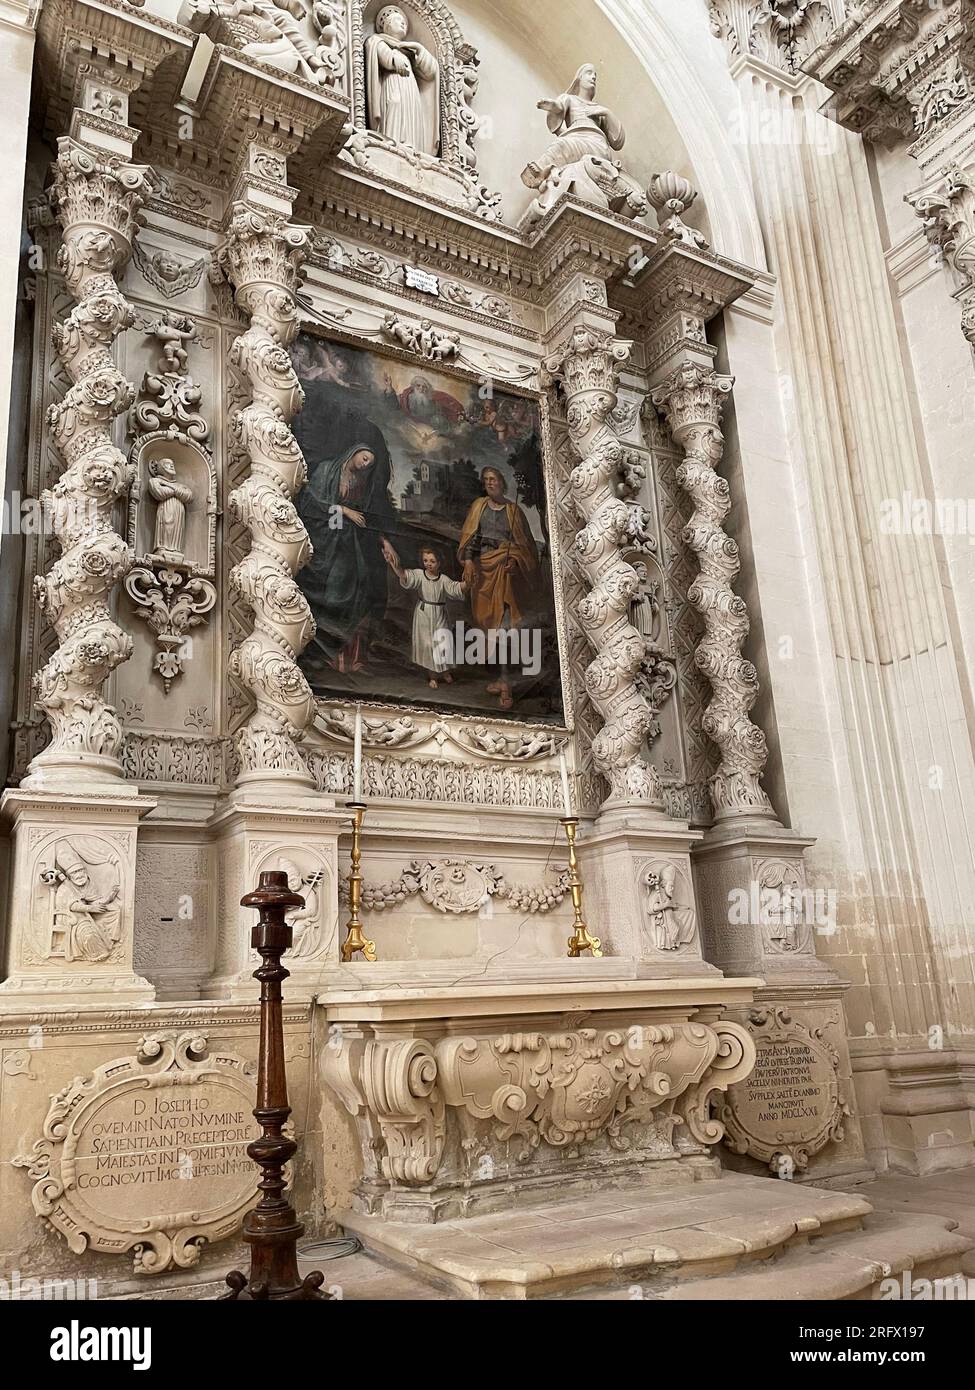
x=98, y=202
x=263, y=257
x=589, y=360
x=693, y=396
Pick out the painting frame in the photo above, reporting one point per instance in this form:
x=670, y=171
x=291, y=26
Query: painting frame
x=433, y=708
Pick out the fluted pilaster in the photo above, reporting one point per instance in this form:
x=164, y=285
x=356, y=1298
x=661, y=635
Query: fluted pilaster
x=263, y=256
x=587, y=367
x=692, y=400
x=97, y=197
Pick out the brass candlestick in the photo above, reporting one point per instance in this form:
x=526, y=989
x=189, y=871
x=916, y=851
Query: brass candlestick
x=354, y=940
x=581, y=939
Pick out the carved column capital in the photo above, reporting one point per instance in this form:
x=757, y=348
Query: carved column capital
x=263, y=255
x=947, y=213
x=97, y=198
x=692, y=399
x=587, y=366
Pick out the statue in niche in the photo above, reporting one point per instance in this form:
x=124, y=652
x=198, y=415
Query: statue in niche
x=671, y=924
x=645, y=605
x=171, y=500
x=303, y=920
x=395, y=69
x=581, y=160
x=86, y=919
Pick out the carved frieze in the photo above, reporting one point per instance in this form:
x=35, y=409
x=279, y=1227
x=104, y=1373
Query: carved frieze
x=461, y=886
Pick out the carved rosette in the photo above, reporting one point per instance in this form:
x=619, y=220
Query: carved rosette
x=263, y=256
x=97, y=200
x=587, y=367
x=692, y=400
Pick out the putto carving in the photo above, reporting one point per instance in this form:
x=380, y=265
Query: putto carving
x=435, y=344
x=581, y=161
x=98, y=202
x=588, y=368
x=263, y=256
x=505, y=745
x=167, y=272
x=692, y=400
x=400, y=732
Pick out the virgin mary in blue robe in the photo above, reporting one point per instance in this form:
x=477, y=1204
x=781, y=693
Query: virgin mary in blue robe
x=348, y=513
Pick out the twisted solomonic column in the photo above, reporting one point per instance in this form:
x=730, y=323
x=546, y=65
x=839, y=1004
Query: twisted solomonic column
x=97, y=199
x=263, y=257
x=588, y=368
x=692, y=400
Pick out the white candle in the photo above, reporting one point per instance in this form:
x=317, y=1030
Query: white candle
x=357, y=757
x=566, y=793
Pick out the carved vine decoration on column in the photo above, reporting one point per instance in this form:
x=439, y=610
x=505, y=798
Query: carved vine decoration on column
x=98, y=202
x=602, y=483
x=692, y=400
x=263, y=256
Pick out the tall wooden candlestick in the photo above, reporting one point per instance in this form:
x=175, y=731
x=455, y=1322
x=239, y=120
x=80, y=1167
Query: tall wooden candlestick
x=272, y=1228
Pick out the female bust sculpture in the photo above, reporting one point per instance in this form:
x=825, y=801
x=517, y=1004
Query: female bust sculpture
x=394, y=70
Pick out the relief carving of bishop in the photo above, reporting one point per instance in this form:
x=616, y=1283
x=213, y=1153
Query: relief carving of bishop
x=402, y=84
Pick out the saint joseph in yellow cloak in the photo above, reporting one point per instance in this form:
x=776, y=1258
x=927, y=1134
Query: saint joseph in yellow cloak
x=500, y=560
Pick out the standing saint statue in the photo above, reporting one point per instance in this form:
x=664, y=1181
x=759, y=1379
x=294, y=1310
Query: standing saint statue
x=171, y=498
x=394, y=70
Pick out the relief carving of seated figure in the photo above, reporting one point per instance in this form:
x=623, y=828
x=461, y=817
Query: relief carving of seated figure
x=269, y=31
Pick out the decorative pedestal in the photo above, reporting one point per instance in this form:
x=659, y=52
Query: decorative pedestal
x=482, y=1098
x=71, y=910
x=638, y=875
x=793, y=1115
x=301, y=839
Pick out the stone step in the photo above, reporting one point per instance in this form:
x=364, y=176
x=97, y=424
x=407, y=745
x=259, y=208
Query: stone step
x=620, y=1237
x=850, y=1266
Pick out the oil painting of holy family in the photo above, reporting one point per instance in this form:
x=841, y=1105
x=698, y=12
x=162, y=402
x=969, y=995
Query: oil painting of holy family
x=431, y=579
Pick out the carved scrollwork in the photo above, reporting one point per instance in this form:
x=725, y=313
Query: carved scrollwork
x=562, y=1087
x=69, y=1174
x=172, y=605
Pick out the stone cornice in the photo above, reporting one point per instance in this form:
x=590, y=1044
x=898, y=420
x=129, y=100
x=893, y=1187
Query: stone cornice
x=900, y=70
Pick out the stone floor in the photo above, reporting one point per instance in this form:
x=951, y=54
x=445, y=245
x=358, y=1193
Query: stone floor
x=762, y=1240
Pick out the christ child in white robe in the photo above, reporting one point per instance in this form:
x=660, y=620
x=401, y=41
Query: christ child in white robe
x=431, y=635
